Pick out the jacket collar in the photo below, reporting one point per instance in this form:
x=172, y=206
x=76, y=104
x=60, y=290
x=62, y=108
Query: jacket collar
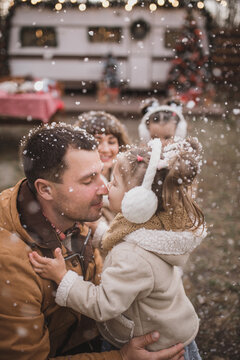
x=167, y=242
x=33, y=221
x=161, y=234
x=44, y=235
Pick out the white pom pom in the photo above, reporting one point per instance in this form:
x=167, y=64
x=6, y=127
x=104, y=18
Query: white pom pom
x=139, y=205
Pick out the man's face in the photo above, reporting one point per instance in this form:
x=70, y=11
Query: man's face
x=79, y=196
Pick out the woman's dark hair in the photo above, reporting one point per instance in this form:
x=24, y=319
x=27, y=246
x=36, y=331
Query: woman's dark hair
x=100, y=122
x=42, y=151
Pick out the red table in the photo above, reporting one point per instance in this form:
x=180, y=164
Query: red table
x=39, y=106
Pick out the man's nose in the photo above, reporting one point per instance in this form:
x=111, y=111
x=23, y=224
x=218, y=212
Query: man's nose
x=102, y=188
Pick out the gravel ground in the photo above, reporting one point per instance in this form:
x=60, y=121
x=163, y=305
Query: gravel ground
x=211, y=276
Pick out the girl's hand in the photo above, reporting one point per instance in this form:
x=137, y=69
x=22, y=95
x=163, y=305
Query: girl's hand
x=52, y=269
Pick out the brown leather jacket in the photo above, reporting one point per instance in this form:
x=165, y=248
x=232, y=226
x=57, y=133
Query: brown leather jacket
x=32, y=326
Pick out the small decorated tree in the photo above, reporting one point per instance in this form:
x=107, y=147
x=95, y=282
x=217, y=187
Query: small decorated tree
x=189, y=73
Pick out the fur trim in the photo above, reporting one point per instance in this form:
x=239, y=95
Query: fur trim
x=120, y=227
x=65, y=286
x=167, y=242
x=98, y=234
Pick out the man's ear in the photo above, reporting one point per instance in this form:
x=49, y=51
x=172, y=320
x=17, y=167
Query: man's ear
x=44, y=189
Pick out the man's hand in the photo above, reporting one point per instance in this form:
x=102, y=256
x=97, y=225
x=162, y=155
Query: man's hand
x=52, y=269
x=135, y=349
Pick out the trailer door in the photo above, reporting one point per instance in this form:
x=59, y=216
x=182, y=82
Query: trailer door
x=140, y=76
x=140, y=53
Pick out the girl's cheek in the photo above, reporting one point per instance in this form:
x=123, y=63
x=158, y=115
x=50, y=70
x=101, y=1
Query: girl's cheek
x=109, y=200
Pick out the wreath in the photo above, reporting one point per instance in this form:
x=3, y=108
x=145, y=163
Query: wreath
x=139, y=29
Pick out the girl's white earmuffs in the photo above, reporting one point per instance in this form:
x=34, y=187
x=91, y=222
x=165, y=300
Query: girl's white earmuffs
x=140, y=203
x=181, y=129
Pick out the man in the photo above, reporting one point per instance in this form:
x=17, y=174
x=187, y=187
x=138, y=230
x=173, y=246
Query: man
x=63, y=189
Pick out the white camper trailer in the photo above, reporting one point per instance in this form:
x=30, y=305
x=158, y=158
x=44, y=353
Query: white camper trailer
x=70, y=45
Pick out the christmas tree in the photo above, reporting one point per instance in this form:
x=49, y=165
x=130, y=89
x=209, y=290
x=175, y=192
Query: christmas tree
x=189, y=73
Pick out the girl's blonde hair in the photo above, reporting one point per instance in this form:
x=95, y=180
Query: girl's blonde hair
x=171, y=184
x=100, y=122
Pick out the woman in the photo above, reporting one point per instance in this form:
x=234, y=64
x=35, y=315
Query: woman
x=110, y=134
x=112, y=137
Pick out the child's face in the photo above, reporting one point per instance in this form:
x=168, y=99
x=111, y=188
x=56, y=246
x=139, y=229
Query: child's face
x=116, y=191
x=163, y=131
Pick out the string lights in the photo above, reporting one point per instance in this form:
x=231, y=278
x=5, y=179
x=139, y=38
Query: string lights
x=153, y=5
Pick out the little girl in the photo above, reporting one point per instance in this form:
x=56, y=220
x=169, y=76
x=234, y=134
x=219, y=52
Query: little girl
x=158, y=224
x=161, y=121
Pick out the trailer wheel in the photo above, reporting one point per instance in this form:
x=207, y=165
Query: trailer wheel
x=139, y=29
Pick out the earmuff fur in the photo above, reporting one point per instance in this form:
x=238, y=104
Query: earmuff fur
x=140, y=203
x=181, y=129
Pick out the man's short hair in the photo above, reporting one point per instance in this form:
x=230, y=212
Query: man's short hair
x=42, y=151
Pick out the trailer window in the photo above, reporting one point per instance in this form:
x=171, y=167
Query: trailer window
x=104, y=34
x=38, y=36
x=171, y=38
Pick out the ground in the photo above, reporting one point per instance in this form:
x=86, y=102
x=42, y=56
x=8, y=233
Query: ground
x=211, y=277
